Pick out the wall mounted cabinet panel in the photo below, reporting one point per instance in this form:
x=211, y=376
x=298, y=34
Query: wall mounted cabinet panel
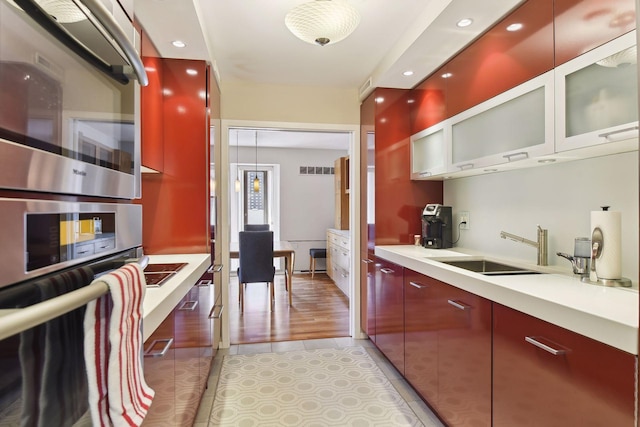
x=430, y=151
x=513, y=126
x=501, y=59
x=597, y=96
x=545, y=375
x=428, y=102
x=390, y=312
x=582, y=25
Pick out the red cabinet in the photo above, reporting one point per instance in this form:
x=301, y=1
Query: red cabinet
x=500, y=59
x=428, y=101
x=176, y=202
x=448, y=349
x=389, y=312
x=581, y=25
x=464, y=358
x=422, y=295
x=545, y=375
x=151, y=108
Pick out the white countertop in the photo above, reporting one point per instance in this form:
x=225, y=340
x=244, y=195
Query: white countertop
x=159, y=302
x=609, y=315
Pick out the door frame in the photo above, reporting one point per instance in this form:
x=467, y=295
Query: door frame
x=354, y=210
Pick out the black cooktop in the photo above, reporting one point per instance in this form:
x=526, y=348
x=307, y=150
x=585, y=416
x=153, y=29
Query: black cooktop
x=157, y=274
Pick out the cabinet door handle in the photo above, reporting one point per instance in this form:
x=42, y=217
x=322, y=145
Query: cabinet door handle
x=465, y=166
x=188, y=306
x=216, y=315
x=425, y=174
x=534, y=341
x=205, y=282
x=387, y=270
x=606, y=135
x=345, y=254
x=522, y=154
x=167, y=344
x=418, y=285
x=216, y=268
x=459, y=305
x=367, y=261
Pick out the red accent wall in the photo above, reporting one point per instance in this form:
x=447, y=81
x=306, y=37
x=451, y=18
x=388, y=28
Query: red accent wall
x=582, y=25
x=398, y=200
x=176, y=202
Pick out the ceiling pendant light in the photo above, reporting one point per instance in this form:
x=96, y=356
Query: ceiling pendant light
x=322, y=22
x=256, y=181
x=237, y=184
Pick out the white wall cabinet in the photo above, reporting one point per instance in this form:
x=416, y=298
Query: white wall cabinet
x=586, y=107
x=596, y=96
x=429, y=151
x=513, y=126
x=339, y=258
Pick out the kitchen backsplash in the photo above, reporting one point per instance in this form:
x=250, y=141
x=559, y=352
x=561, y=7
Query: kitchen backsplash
x=559, y=197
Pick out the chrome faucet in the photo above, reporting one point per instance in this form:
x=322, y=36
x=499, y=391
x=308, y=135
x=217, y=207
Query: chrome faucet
x=540, y=245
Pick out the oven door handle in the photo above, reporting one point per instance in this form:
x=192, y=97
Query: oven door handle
x=63, y=36
x=120, y=39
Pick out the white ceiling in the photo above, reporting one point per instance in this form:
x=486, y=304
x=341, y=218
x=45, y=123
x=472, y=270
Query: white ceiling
x=247, y=40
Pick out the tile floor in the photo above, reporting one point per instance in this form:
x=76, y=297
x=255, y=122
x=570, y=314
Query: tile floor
x=419, y=407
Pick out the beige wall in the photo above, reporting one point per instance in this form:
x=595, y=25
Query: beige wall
x=295, y=104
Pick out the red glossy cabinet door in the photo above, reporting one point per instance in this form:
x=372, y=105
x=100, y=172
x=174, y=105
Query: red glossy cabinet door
x=582, y=25
x=421, y=299
x=464, y=358
x=390, y=312
x=398, y=200
x=500, y=59
x=151, y=108
x=428, y=101
x=545, y=375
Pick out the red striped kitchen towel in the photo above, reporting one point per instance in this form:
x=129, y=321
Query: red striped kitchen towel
x=118, y=393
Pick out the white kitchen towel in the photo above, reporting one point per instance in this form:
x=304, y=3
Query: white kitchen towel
x=118, y=393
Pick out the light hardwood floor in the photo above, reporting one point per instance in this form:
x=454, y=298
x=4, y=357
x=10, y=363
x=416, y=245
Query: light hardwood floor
x=320, y=310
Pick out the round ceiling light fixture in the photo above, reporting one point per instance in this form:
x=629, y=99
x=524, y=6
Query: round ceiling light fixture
x=322, y=22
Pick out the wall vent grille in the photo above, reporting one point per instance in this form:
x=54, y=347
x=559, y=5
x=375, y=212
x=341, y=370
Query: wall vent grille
x=317, y=170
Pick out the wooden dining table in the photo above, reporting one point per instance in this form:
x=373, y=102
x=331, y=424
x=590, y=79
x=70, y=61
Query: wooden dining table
x=281, y=249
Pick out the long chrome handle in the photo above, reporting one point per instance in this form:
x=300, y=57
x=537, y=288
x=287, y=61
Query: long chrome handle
x=418, y=285
x=524, y=155
x=167, y=344
x=106, y=20
x=606, y=135
x=213, y=314
x=465, y=166
x=555, y=352
x=457, y=304
x=387, y=270
x=367, y=261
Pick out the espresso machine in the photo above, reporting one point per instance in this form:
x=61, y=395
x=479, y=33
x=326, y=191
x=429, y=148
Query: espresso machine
x=436, y=226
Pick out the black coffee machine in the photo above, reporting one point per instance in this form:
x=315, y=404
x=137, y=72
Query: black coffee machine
x=436, y=227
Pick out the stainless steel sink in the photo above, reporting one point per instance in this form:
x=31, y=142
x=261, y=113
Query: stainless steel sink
x=489, y=268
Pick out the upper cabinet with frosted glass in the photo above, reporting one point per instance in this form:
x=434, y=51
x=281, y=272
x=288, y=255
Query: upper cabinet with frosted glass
x=597, y=97
x=429, y=149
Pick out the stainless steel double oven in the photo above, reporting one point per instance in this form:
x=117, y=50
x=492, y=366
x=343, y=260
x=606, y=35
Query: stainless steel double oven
x=70, y=78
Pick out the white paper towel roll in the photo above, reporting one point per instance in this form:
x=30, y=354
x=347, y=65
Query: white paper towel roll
x=609, y=263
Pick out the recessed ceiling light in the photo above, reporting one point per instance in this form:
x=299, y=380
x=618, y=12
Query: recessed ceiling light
x=446, y=75
x=178, y=43
x=192, y=72
x=408, y=73
x=514, y=27
x=465, y=22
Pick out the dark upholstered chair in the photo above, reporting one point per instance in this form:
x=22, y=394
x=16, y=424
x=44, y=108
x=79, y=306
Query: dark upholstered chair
x=255, y=254
x=256, y=227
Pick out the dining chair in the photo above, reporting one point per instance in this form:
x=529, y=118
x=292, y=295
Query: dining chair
x=255, y=255
x=256, y=227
